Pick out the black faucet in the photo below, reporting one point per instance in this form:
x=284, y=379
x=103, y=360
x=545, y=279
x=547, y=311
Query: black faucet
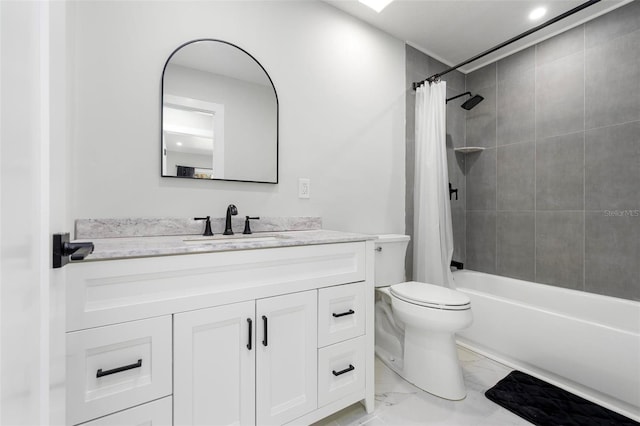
x=231, y=211
x=207, y=225
x=247, y=226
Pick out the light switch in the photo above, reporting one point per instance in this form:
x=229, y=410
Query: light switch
x=304, y=188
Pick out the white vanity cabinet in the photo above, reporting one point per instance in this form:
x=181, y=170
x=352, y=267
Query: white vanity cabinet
x=244, y=337
x=246, y=363
x=214, y=366
x=286, y=357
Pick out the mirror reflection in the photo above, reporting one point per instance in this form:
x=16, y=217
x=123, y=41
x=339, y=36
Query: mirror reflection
x=219, y=115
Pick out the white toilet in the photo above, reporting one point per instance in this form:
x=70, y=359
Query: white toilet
x=416, y=322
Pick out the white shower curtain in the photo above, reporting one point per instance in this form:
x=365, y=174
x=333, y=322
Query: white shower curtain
x=433, y=235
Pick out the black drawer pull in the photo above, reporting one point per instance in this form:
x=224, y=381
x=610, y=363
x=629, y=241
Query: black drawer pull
x=346, y=370
x=349, y=312
x=101, y=373
x=250, y=332
x=264, y=322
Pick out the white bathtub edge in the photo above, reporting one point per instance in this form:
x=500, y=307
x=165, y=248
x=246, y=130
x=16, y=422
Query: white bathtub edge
x=612, y=404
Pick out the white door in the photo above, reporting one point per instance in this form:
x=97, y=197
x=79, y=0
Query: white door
x=214, y=366
x=32, y=127
x=286, y=357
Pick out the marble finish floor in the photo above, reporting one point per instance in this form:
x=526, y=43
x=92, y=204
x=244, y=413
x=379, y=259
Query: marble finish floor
x=399, y=403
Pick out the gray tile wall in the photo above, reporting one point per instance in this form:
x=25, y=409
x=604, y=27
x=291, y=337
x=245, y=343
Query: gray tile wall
x=418, y=67
x=555, y=197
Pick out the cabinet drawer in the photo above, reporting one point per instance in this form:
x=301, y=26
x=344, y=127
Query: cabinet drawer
x=116, y=367
x=341, y=370
x=156, y=413
x=340, y=313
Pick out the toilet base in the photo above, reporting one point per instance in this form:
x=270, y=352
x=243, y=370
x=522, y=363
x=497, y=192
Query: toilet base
x=418, y=343
x=431, y=363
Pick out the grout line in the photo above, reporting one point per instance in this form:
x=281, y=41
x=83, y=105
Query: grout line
x=607, y=125
x=496, y=127
x=536, y=211
x=464, y=174
x=585, y=130
x=517, y=143
x=547, y=138
x=466, y=183
x=535, y=165
x=584, y=160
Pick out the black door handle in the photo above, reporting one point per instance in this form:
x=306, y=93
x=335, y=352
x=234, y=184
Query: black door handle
x=77, y=251
x=63, y=250
x=346, y=370
x=349, y=312
x=264, y=323
x=101, y=373
x=250, y=332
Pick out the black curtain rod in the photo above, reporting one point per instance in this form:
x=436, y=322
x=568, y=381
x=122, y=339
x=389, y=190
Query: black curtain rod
x=511, y=40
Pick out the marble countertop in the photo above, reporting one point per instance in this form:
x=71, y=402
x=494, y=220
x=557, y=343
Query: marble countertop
x=165, y=226
x=131, y=247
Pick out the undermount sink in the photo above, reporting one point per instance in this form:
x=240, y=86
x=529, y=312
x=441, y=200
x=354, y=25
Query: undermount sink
x=230, y=240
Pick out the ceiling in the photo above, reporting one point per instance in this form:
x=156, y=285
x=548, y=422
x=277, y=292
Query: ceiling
x=453, y=31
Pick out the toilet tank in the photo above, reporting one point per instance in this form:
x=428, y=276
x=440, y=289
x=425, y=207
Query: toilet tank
x=390, y=254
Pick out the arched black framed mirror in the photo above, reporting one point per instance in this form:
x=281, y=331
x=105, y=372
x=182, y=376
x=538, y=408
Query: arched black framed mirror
x=219, y=115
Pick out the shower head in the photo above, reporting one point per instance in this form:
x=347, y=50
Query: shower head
x=470, y=103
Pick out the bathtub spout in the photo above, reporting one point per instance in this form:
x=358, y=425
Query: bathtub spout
x=457, y=265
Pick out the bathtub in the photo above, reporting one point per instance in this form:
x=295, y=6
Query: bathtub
x=582, y=342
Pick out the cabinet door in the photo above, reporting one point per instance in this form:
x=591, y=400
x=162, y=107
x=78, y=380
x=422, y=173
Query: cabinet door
x=286, y=382
x=214, y=366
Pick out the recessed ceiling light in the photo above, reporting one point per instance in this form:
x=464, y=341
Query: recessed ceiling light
x=537, y=13
x=179, y=143
x=376, y=5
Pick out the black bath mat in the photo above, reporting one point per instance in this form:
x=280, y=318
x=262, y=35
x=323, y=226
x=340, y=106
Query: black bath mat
x=546, y=405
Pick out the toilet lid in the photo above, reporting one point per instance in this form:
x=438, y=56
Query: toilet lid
x=429, y=295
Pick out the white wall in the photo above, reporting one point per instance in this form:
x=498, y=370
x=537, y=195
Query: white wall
x=340, y=85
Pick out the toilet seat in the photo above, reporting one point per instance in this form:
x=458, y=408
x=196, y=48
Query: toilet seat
x=430, y=296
